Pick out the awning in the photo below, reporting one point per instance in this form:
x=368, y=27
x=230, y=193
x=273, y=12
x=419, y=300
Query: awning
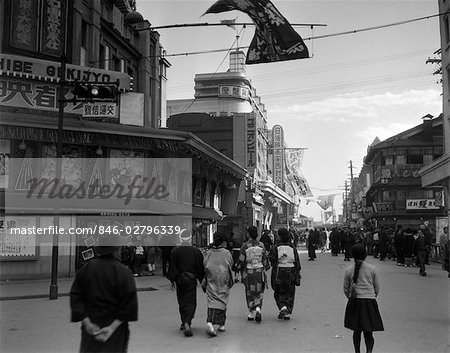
x=206, y=213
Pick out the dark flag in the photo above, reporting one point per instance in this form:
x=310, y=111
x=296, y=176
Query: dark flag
x=274, y=40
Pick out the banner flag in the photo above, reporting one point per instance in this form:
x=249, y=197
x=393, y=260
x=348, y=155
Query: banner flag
x=326, y=201
x=274, y=39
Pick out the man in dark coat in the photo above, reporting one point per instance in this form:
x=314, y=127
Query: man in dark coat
x=313, y=241
x=383, y=243
x=334, y=242
x=185, y=269
x=398, y=242
x=420, y=251
x=103, y=297
x=349, y=241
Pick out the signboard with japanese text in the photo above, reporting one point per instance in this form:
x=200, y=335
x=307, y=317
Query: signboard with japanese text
x=278, y=145
x=382, y=207
x=421, y=204
x=233, y=91
x=251, y=142
x=99, y=110
x=4, y=163
x=14, y=243
x=38, y=26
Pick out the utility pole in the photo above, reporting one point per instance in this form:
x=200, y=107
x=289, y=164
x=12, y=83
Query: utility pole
x=346, y=203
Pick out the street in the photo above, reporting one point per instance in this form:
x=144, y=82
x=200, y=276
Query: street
x=415, y=311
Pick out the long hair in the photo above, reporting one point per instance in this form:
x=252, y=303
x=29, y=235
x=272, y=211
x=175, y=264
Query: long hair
x=359, y=255
x=253, y=232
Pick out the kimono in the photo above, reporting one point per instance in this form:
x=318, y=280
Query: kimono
x=253, y=264
x=218, y=280
x=104, y=290
x=285, y=275
x=185, y=268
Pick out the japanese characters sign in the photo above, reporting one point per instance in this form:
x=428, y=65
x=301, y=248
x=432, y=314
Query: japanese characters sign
x=278, y=145
x=12, y=244
x=99, y=110
x=251, y=142
x=233, y=91
x=421, y=204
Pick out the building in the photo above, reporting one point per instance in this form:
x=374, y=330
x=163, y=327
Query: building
x=394, y=193
x=102, y=144
x=227, y=113
x=437, y=173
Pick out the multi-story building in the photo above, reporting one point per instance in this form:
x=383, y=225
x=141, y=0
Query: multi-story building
x=394, y=192
x=227, y=113
x=100, y=43
x=437, y=173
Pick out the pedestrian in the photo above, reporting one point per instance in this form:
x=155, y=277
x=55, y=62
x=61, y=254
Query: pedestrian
x=398, y=242
x=253, y=264
x=103, y=297
x=408, y=247
x=323, y=240
x=138, y=257
x=313, y=240
x=349, y=241
x=218, y=280
x=186, y=267
x=285, y=274
x=361, y=287
x=420, y=251
x=334, y=242
x=376, y=243
x=368, y=234
x=266, y=240
x=150, y=257
x=165, y=258
x=383, y=243
x=428, y=239
x=446, y=255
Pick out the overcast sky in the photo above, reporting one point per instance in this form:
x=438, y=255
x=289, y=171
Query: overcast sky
x=354, y=88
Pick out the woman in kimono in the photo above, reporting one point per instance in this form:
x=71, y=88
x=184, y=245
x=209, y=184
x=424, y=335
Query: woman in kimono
x=285, y=274
x=218, y=280
x=253, y=264
x=103, y=297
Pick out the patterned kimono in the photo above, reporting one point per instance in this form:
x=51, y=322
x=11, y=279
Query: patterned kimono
x=218, y=263
x=253, y=264
x=285, y=275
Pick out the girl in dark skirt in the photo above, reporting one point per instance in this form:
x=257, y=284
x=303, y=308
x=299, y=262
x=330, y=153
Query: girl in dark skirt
x=361, y=287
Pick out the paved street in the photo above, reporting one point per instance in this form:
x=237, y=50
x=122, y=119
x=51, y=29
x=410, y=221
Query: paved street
x=415, y=311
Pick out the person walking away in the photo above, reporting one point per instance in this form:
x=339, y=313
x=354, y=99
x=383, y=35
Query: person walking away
x=368, y=235
x=323, y=239
x=334, y=242
x=138, y=258
x=285, y=274
x=383, y=243
x=361, y=287
x=165, y=258
x=266, y=240
x=398, y=242
x=349, y=241
x=313, y=239
x=103, y=297
x=420, y=251
x=150, y=257
x=408, y=247
x=218, y=280
x=185, y=268
x=428, y=239
x=253, y=264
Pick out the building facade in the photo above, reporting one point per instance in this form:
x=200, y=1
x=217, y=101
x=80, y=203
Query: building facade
x=103, y=141
x=394, y=194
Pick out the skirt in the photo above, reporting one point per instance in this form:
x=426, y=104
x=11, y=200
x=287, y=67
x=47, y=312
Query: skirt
x=362, y=314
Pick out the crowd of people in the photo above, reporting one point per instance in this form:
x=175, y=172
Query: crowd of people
x=103, y=295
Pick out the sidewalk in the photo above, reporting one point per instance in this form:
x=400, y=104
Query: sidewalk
x=32, y=289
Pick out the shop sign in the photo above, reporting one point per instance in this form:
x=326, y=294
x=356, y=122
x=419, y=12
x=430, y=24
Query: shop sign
x=251, y=142
x=17, y=243
x=233, y=91
x=421, y=204
x=382, y=207
x=278, y=145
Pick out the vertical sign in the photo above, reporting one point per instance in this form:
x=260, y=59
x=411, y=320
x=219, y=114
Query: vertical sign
x=278, y=144
x=24, y=24
x=53, y=27
x=251, y=142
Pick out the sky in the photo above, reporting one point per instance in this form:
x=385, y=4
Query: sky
x=353, y=88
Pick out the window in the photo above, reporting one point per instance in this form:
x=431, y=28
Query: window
x=414, y=159
x=400, y=159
